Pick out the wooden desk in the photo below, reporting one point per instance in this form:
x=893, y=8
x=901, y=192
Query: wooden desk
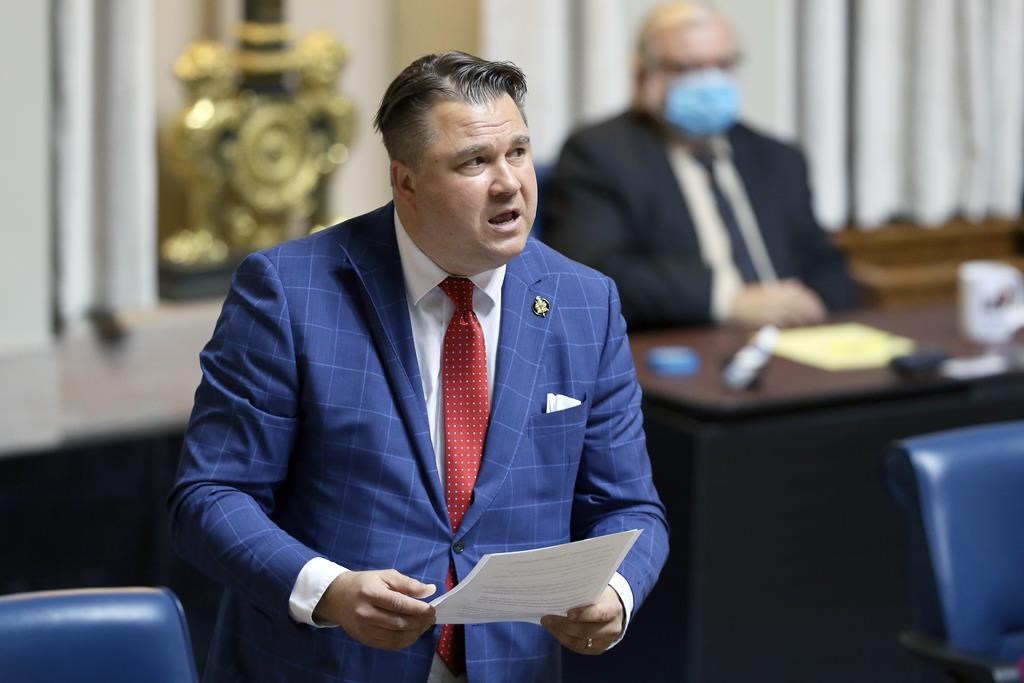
x=788, y=557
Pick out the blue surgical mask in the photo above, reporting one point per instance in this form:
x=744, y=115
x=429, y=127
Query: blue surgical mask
x=703, y=103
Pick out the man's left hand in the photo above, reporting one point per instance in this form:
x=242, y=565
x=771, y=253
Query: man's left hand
x=589, y=630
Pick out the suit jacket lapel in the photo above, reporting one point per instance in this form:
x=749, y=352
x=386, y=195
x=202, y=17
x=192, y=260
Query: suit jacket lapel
x=662, y=187
x=520, y=347
x=374, y=261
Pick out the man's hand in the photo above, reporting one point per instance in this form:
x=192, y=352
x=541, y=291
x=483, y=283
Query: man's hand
x=378, y=608
x=589, y=630
x=785, y=303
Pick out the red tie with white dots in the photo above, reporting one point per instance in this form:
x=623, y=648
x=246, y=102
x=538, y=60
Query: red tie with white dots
x=466, y=411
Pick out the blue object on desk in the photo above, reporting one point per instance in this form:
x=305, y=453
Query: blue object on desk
x=673, y=360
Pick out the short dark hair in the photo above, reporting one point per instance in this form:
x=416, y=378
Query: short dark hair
x=448, y=76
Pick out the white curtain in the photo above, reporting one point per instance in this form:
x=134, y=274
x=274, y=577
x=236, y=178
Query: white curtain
x=906, y=108
x=1006, y=47
x=104, y=157
x=934, y=125
x=822, y=103
x=578, y=59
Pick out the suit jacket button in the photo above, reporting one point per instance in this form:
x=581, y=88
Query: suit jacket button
x=458, y=546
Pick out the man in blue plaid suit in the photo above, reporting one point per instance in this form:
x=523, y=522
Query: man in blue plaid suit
x=312, y=478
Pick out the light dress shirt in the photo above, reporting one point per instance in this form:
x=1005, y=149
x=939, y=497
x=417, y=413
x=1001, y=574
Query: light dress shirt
x=430, y=310
x=712, y=235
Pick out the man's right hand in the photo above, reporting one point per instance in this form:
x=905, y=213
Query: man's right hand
x=785, y=303
x=378, y=608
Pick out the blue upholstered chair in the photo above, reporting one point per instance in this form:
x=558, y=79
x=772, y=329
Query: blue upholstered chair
x=112, y=635
x=963, y=495
x=544, y=173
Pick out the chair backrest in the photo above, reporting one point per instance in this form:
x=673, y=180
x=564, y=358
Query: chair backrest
x=544, y=173
x=113, y=635
x=963, y=492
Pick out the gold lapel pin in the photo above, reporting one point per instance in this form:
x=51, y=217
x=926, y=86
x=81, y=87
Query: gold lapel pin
x=541, y=306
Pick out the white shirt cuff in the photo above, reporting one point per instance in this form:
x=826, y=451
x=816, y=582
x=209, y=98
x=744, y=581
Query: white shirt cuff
x=725, y=286
x=309, y=587
x=621, y=586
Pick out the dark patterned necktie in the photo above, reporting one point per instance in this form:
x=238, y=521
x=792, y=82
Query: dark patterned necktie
x=740, y=253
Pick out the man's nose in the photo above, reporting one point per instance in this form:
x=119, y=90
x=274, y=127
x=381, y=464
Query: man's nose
x=505, y=180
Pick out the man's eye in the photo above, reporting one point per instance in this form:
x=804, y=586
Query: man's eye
x=474, y=162
x=518, y=152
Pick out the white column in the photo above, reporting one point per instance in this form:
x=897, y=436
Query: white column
x=29, y=387
x=105, y=153
x=25, y=259
x=606, y=58
x=75, y=149
x=126, y=229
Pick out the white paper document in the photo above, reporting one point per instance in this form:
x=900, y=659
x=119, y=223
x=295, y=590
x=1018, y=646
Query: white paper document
x=526, y=585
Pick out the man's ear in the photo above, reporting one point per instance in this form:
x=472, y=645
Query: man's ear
x=403, y=180
x=646, y=90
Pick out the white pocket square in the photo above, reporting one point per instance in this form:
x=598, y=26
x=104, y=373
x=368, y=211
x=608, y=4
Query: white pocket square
x=558, y=402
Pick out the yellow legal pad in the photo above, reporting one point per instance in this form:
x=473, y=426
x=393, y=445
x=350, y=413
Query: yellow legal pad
x=850, y=346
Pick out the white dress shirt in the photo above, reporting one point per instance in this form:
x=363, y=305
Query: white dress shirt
x=430, y=310
x=712, y=235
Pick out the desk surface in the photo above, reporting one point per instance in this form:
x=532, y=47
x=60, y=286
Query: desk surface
x=82, y=388
x=149, y=378
x=786, y=385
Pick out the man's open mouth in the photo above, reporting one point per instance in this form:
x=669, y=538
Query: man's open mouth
x=504, y=218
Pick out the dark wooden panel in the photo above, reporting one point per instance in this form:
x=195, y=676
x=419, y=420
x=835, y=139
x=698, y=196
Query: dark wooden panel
x=902, y=265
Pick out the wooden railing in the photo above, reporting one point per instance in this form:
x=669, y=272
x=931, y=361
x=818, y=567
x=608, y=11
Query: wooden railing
x=903, y=264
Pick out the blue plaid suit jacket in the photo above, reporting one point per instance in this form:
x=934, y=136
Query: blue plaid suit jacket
x=309, y=437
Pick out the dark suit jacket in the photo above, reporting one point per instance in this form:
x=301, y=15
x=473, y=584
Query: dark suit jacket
x=615, y=204
x=310, y=437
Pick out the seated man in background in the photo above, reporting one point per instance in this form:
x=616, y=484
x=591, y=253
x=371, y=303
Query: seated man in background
x=696, y=217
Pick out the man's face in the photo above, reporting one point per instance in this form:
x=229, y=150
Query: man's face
x=681, y=48
x=473, y=195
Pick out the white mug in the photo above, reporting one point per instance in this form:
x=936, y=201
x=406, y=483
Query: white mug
x=991, y=297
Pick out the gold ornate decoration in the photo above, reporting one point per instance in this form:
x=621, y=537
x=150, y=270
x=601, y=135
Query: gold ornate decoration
x=256, y=144
x=256, y=61
x=256, y=33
